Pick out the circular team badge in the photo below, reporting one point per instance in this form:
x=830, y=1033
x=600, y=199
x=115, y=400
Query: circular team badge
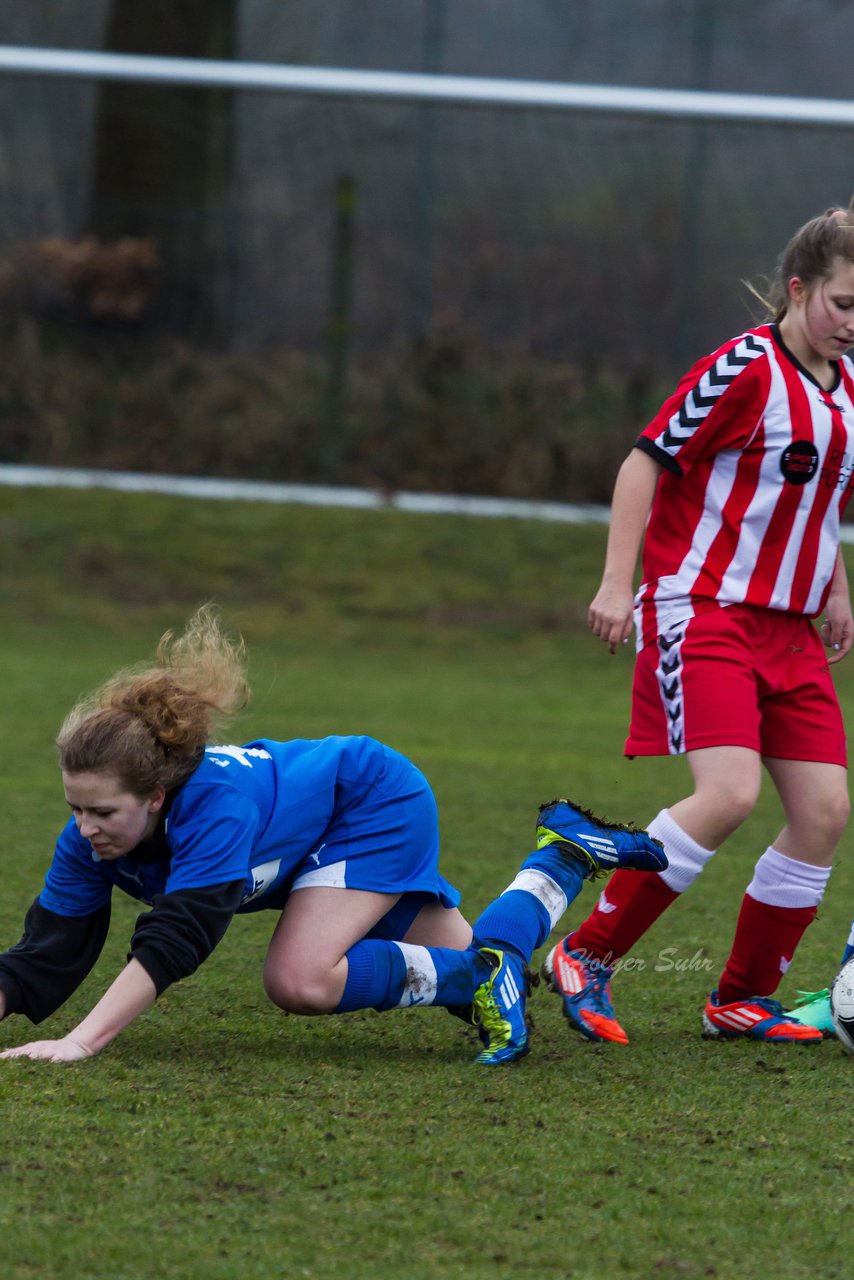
x=799, y=462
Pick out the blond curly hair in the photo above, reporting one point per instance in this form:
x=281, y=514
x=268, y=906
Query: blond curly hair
x=149, y=725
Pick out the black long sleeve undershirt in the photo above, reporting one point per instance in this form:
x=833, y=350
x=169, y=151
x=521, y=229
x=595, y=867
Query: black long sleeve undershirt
x=181, y=930
x=54, y=955
x=41, y=971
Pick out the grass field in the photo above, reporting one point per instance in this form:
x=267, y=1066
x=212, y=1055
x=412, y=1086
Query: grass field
x=217, y=1138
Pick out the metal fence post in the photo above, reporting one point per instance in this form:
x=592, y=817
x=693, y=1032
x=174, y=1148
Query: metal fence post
x=338, y=325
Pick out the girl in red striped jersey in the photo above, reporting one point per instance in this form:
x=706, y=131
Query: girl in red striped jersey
x=735, y=491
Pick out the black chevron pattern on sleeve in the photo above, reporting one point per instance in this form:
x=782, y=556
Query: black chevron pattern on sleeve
x=698, y=403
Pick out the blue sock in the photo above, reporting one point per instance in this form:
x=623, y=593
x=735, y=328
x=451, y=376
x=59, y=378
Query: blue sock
x=529, y=909
x=394, y=975
x=849, y=947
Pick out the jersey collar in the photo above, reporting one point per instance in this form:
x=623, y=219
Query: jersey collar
x=790, y=356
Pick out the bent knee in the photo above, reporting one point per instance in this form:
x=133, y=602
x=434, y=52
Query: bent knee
x=301, y=992
x=736, y=799
x=833, y=813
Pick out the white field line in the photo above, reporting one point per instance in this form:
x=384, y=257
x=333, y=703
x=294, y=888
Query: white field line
x=24, y=477
x=312, y=495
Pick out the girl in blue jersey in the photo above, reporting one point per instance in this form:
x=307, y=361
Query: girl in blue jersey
x=340, y=836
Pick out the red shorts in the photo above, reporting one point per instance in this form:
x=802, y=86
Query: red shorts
x=737, y=677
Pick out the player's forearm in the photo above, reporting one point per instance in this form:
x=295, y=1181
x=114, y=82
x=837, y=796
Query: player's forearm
x=130, y=995
x=630, y=507
x=839, y=582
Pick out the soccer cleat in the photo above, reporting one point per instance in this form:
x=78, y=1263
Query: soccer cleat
x=498, y=1008
x=758, y=1018
x=813, y=1010
x=584, y=985
x=601, y=846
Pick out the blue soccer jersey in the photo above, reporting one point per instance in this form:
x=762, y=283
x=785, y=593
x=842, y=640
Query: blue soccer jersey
x=251, y=825
x=341, y=811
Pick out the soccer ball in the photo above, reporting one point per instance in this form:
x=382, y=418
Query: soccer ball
x=842, y=1006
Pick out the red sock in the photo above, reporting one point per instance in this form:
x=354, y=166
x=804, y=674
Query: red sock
x=631, y=902
x=762, y=950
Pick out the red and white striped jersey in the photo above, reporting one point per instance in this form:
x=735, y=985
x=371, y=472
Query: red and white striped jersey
x=758, y=467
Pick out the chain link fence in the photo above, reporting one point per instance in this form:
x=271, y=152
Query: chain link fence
x=407, y=294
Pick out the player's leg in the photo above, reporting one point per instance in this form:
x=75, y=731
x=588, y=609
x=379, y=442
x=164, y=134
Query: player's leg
x=695, y=693
x=434, y=963
x=340, y=948
x=438, y=963
x=572, y=845
x=848, y=950
x=799, y=712
x=305, y=970
x=438, y=926
x=781, y=902
x=321, y=959
x=726, y=786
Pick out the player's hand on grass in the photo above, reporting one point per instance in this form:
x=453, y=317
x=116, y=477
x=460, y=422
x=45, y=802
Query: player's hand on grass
x=66, y=1050
x=610, y=615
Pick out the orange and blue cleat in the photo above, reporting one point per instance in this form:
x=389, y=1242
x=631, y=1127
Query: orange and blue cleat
x=584, y=985
x=757, y=1018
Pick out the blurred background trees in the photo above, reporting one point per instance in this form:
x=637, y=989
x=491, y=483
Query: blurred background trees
x=162, y=158
x=478, y=299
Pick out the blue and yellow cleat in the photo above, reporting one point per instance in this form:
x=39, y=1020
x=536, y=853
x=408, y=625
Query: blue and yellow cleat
x=813, y=1010
x=498, y=1008
x=601, y=846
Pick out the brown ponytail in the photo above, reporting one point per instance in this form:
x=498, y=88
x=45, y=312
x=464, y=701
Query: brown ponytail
x=150, y=726
x=810, y=255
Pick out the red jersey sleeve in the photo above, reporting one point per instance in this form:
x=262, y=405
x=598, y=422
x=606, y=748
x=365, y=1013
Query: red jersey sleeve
x=717, y=405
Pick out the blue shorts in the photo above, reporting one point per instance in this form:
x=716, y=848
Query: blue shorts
x=384, y=841
x=395, y=924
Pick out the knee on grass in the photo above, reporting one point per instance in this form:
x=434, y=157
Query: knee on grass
x=302, y=991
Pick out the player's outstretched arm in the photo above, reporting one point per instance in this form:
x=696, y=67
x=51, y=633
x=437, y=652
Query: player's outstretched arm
x=610, y=613
x=132, y=992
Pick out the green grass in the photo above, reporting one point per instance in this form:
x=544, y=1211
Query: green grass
x=217, y=1138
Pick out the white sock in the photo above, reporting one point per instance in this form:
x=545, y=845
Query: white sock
x=685, y=858
x=422, y=981
x=544, y=889
x=781, y=881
